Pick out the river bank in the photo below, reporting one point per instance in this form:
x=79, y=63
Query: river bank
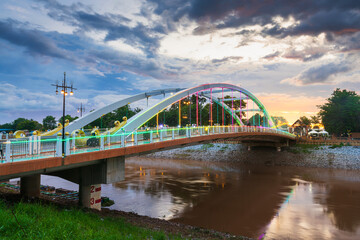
x=313, y=156
x=34, y=219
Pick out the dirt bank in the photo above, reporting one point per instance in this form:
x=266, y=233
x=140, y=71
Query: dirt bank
x=12, y=196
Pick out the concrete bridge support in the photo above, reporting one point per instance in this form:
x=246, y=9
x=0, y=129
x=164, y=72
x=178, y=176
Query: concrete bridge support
x=91, y=177
x=30, y=186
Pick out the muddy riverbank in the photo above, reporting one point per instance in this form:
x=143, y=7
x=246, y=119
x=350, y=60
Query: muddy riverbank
x=345, y=157
x=12, y=196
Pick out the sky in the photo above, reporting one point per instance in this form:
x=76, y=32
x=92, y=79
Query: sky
x=290, y=54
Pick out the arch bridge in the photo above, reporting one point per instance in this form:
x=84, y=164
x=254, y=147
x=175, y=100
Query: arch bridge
x=89, y=160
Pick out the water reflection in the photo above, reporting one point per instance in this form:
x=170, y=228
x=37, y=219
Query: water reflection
x=274, y=202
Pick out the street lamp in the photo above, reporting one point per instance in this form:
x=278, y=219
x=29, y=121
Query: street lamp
x=80, y=109
x=63, y=89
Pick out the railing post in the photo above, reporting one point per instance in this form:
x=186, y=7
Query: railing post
x=108, y=140
x=38, y=144
x=72, y=140
x=189, y=132
x=173, y=134
x=161, y=135
x=102, y=142
x=58, y=145
x=35, y=145
x=135, y=138
x=151, y=136
x=7, y=150
x=213, y=128
x=122, y=139
x=200, y=130
x=30, y=147
x=67, y=144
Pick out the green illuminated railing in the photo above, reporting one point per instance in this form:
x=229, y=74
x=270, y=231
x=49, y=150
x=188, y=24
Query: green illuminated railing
x=36, y=147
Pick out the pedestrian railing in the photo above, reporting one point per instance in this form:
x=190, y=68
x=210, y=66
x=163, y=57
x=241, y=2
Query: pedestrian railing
x=36, y=147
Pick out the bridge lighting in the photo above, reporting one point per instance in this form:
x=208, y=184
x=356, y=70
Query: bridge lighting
x=64, y=92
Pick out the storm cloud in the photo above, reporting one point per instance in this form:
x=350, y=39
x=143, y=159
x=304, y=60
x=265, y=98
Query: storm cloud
x=324, y=74
x=32, y=40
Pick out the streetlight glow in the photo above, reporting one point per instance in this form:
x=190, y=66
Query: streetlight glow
x=64, y=92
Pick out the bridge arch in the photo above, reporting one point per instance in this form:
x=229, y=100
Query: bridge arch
x=142, y=117
x=92, y=116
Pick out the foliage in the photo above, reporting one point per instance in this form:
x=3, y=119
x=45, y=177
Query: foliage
x=68, y=117
x=49, y=122
x=36, y=221
x=337, y=145
x=305, y=120
x=108, y=120
x=258, y=120
x=315, y=119
x=278, y=120
x=341, y=113
x=23, y=124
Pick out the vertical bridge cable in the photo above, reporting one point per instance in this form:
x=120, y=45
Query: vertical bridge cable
x=247, y=112
x=253, y=114
x=180, y=113
x=232, y=107
x=189, y=102
x=217, y=112
x=197, y=109
x=223, y=107
x=211, y=116
x=157, y=121
x=240, y=108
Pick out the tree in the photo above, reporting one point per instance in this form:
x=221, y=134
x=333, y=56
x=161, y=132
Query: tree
x=305, y=120
x=278, y=120
x=28, y=125
x=341, y=113
x=49, y=122
x=67, y=117
x=315, y=119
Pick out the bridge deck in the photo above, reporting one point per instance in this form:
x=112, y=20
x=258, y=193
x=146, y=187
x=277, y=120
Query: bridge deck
x=46, y=158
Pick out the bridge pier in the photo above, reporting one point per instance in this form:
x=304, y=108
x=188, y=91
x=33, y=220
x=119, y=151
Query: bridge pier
x=91, y=177
x=30, y=186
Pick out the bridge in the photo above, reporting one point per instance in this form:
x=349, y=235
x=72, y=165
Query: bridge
x=100, y=158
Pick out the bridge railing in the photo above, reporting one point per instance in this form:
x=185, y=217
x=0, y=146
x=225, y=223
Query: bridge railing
x=35, y=147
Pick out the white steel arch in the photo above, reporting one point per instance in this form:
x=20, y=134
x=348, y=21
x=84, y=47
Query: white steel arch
x=92, y=116
x=142, y=117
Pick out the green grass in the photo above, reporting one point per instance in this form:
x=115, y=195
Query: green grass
x=207, y=145
x=337, y=145
x=304, y=148
x=37, y=221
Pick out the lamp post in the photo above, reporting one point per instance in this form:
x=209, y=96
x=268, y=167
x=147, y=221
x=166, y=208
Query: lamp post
x=63, y=89
x=81, y=109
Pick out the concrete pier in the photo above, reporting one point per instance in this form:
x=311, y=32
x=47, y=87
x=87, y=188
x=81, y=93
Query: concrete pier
x=30, y=186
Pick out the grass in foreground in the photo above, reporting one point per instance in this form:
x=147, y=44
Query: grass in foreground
x=37, y=221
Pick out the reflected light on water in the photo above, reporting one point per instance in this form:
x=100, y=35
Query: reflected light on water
x=255, y=201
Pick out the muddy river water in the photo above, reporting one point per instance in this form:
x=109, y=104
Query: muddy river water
x=269, y=202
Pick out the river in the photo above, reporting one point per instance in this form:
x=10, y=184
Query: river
x=256, y=201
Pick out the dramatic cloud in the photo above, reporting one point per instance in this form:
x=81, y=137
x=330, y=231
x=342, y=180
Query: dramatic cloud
x=121, y=47
x=324, y=74
x=32, y=40
x=116, y=26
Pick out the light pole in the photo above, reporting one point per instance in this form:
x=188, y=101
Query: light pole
x=81, y=109
x=63, y=89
